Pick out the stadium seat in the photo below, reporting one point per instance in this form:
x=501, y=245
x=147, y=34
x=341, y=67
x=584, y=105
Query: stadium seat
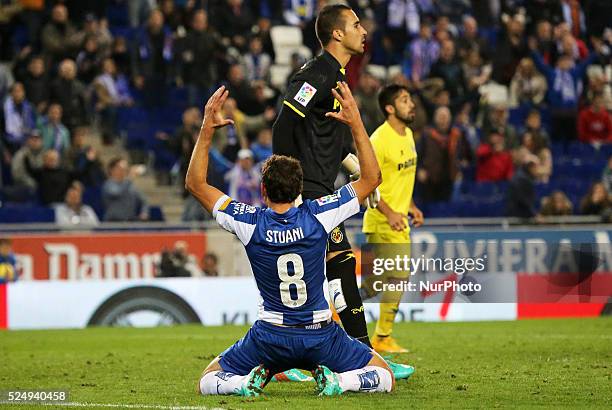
x=279, y=75
x=606, y=150
x=92, y=196
x=582, y=150
x=156, y=214
x=285, y=40
x=377, y=71
x=26, y=214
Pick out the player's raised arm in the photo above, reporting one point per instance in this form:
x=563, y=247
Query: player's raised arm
x=195, y=181
x=370, y=176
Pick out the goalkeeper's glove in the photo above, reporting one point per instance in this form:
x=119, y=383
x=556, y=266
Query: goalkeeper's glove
x=351, y=164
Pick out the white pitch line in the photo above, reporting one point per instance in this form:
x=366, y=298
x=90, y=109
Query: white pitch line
x=124, y=406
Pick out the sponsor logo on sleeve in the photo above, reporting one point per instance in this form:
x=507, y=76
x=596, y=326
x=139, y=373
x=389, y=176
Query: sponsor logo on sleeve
x=324, y=200
x=305, y=94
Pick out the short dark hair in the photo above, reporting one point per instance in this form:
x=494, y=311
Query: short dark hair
x=282, y=178
x=113, y=163
x=329, y=19
x=388, y=95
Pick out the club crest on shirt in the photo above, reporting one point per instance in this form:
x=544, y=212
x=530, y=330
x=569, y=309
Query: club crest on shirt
x=336, y=235
x=305, y=94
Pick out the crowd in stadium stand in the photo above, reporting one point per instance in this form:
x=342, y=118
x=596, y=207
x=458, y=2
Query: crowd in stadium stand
x=513, y=99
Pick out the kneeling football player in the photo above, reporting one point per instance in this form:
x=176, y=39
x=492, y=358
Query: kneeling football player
x=286, y=247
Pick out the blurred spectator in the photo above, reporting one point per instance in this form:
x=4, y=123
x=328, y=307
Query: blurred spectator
x=55, y=135
x=122, y=200
x=121, y=56
x=9, y=10
x=533, y=125
x=470, y=40
x=19, y=118
x=545, y=40
x=32, y=15
x=510, y=49
x=571, y=47
x=556, y=204
x=263, y=31
x=184, y=139
x=476, y=72
x=70, y=94
x=244, y=179
x=494, y=160
x=8, y=262
x=534, y=149
x=60, y=39
x=234, y=21
x=175, y=263
x=262, y=147
x=98, y=29
x=420, y=55
x=82, y=159
x=468, y=129
x=172, y=14
x=606, y=176
x=264, y=103
x=73, y=212
x=210, y=265
x=450, y=71
x=528, y=86
x=433, y=97
x=597, y=202
x=299, y=12
x=88, y=60
x=52, y=179
x=401, y=22
x=229, y=140
x=28, y=158
x=138, y=10
x=574, y=16
x=36, y=84
x=256, y=61
x=496, y=122
x=366, y=96
x=521, y=196
x=594, y=122
x=239, y=88
x=438, y=156
x=152, y=59
x=195, y=56
x=6, y=81
x=112, y=91
x=309, y=35
x=600, y=82
x=564, y=86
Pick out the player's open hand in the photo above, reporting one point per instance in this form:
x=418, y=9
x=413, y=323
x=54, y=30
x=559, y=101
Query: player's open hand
x=213, y=116
x=349, y=114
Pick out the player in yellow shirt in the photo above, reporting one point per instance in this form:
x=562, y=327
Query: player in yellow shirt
x=386, y=226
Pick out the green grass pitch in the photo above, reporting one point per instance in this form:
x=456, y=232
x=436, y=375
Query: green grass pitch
x=551, y=363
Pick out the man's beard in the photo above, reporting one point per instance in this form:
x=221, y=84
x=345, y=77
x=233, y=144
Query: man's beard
x=408, y=119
